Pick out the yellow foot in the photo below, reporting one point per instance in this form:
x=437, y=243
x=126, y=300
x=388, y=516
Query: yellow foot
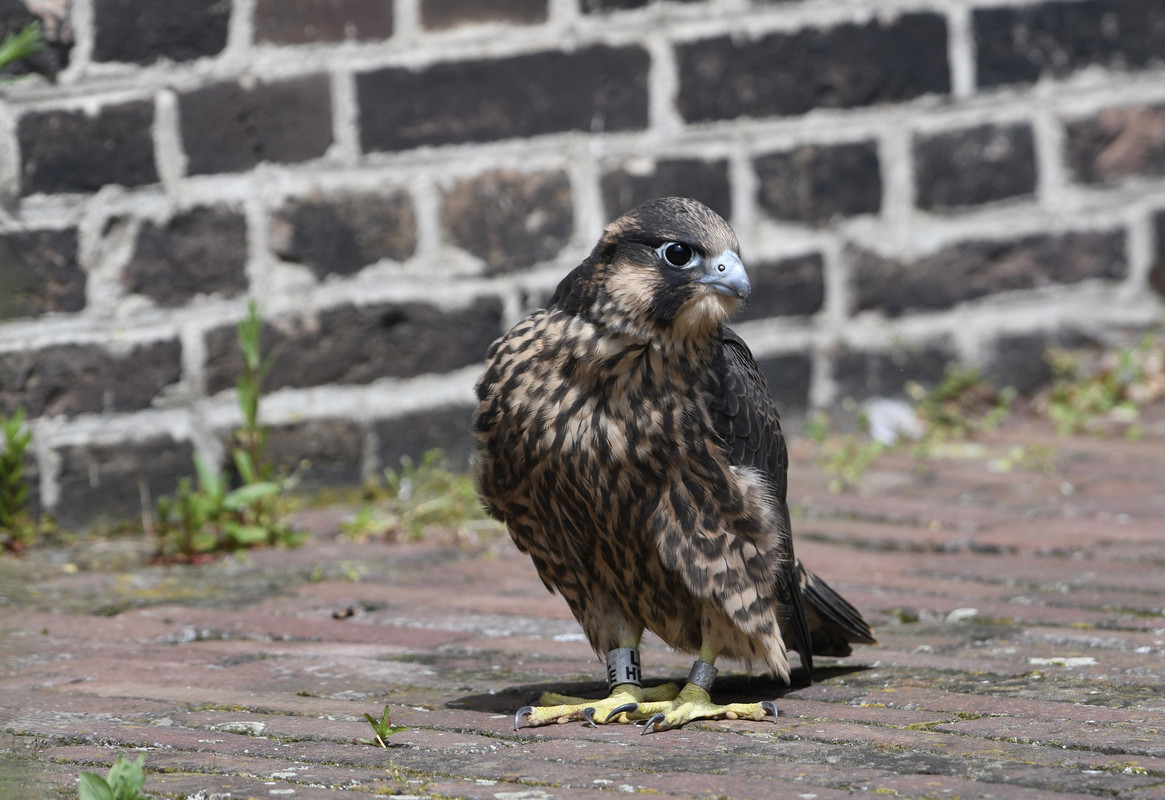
x=692, y=703
x=563, y=708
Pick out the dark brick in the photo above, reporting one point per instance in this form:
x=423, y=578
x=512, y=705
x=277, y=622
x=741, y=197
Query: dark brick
x=1019, y=361
x=302, y=21
x=57, y=33
x=33, y=502
x=814, y=184
x=227, y=127
x=439, y=14
x=412, y=435
x=83, y=378
x=790, y=287
x=603, y=6
x=70, y=151
x=203, y=251
x=1157, y=268
x=323, y=452
x=142, y=31
x=598, y=88
x=788, y=378
x=861, y=375
x=1018, y=45
x=509, y=219
x=1117, y=143
x=341, y=235
x=359, y=344
x=969, y=270
x=101, y=485
x=39, y=273
x=706, y=181
x=974, y=166
x=792, y=73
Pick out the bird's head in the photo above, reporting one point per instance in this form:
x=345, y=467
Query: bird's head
x=667, y=269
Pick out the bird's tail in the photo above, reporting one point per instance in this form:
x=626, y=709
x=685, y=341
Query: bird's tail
x=834, y=624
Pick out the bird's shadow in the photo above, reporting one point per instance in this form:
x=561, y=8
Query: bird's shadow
x=728, y=689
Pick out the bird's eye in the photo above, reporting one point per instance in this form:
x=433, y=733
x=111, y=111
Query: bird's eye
x=677, y=254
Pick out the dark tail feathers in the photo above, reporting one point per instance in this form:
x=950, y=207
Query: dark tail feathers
x=833, y=623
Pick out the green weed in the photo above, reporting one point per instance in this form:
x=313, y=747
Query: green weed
x=421, y=497
x=381, y=729
x=124, y=782
x=21, y=45
x=1085, y=396
x=845, y=458
x=961, y=405
x=13, y=488
x=17, y=528
x=211, y=517
x=251, y=439
x=1094, y=393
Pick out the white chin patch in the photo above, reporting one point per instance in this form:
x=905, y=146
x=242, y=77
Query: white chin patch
x=708, y=310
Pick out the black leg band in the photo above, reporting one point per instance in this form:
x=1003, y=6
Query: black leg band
x=703, y=674
x=623, y=667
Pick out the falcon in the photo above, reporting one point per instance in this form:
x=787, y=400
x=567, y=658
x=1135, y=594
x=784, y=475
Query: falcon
x=627, y=439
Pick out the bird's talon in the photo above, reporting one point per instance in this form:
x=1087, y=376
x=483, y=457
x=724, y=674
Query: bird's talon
x=650, y=723
x=524, y=711
x=769, y=707
x=589, y=715
x=623, y=709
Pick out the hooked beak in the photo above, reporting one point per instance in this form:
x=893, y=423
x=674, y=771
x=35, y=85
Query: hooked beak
x=725, y=273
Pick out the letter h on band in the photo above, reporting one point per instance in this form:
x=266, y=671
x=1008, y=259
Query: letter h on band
x=623, y=667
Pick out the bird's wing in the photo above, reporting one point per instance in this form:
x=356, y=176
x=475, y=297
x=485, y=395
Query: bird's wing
x=745, y=417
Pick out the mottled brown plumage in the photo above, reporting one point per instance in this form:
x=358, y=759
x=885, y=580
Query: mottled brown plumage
x=628, y=441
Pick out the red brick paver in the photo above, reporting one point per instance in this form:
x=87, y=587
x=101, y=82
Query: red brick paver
x=1019, y=610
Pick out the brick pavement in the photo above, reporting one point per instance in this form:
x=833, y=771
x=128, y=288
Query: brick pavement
x=1018, y=595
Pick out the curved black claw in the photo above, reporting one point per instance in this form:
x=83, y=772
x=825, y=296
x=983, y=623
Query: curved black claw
x=589, y=716
x=621, y=709
x=650, y=723
x=769, y=708
x=524, y=711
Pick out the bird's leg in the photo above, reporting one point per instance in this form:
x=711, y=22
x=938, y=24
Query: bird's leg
x=626, y=692
x=695, y=702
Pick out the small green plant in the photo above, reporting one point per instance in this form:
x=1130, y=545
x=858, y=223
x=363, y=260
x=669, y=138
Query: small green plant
x=124, y=782
x=381, y=729
x=16, y=529
x=368, y=523
x=420, y=497
x=405, y=785
x=211, y=517
x=843, y=457
x=21, y=45
x=251, y=439
x=846, y=458
x=1086, y=395
x=962, y=404
x=818, y=427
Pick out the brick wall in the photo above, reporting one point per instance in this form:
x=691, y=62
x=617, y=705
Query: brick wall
x=913, y=181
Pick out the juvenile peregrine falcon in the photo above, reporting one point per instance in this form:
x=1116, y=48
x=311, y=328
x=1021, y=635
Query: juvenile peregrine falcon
x=629, y=443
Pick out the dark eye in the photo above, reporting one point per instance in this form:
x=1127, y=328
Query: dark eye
x=677, y=254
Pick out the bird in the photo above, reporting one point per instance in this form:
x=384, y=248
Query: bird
x=627, y=439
